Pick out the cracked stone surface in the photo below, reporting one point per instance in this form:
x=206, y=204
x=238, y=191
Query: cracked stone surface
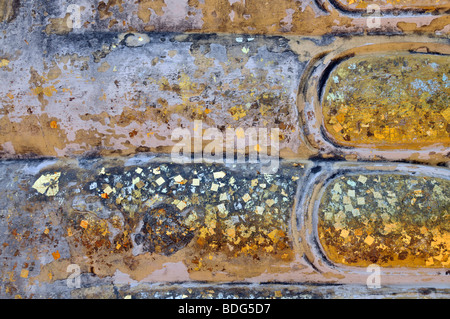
x=338, y=132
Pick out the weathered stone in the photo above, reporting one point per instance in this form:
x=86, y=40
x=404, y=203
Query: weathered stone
x=163, y=231
x=287, y=17
x=395, y=100
x=96, y=99
x=397, y=6
x=165, y=77
x=351, y=115
x=138, y=216
x=389, y=220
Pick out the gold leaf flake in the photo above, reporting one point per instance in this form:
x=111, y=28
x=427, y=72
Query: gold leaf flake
x=423, y=230
x=53, y=190
x=429, y=261
x=270, y=202
x=346, y=200
x=47, y=184
x=219, y=175
x=377, y=195
x=84, y=224
x=181, y=205
x=246, y=197
x=160, y=181
x=108, y=190
x=344, y=233
x=406, y=239
x=56, y=255
x=214, y=187
x=4, y=62
x=446, y=114
x=275, y=235
x=437, y=189
x=178, y=178
x=337, y=127
x=360, y=200
x=24, y=273
x=392, y=201
x=337, y=188
x=231, y=232
x=222, y=210
x=369, y=240
x=273, y=188
x=362, y=179
x=355, y=212
x=140, y=184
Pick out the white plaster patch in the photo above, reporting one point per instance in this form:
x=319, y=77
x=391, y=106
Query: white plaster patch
x=171, y=272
